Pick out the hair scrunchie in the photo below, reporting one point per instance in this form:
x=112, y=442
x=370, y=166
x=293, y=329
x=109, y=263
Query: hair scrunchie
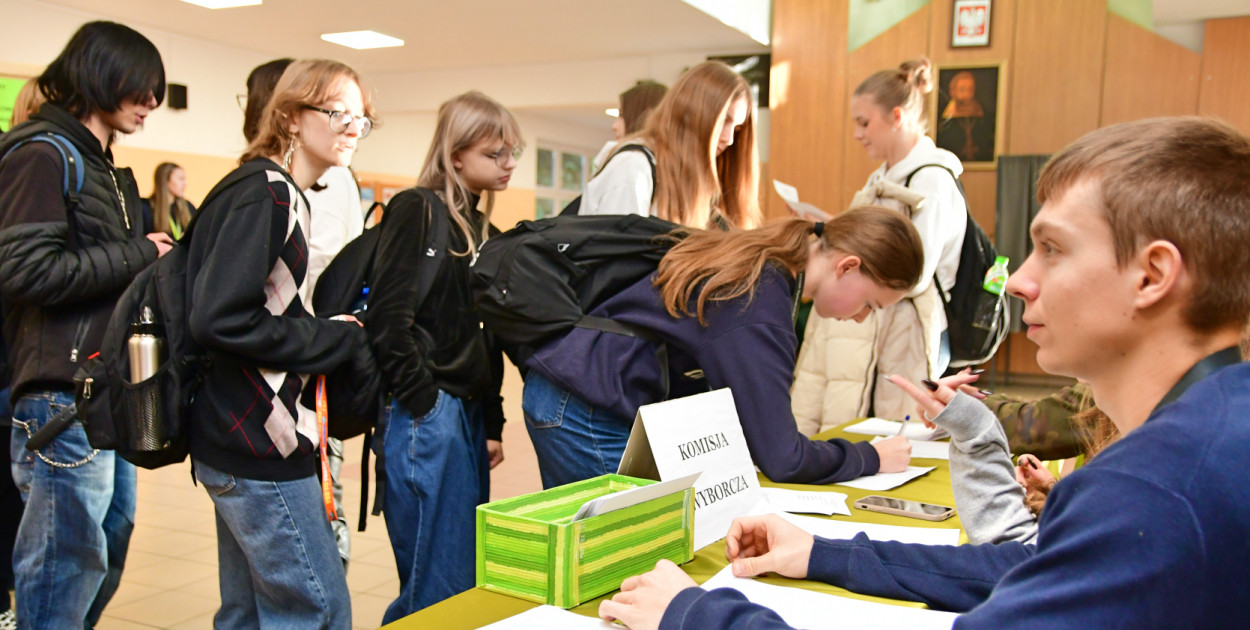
x=818, y=228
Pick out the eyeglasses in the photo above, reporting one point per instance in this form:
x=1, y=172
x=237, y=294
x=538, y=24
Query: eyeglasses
x=501, y=156
x=339, y=121
x=241, y=99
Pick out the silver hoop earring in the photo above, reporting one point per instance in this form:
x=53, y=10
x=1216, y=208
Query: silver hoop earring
x=290, y=152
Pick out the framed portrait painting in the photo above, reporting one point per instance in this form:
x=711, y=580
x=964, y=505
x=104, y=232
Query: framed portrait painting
x=970, y=23
x=967, y=112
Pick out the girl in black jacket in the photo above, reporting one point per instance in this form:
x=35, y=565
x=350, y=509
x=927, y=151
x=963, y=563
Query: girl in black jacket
x=255, y=446
x=443, y=425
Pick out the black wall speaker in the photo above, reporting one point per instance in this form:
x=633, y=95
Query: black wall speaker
x=176, y=96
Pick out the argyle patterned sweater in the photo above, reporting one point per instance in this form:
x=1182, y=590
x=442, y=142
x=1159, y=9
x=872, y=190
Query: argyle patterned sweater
x=249, y=308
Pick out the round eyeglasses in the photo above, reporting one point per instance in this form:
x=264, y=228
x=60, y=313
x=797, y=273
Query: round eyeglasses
x=501, y=156
x=339, y=121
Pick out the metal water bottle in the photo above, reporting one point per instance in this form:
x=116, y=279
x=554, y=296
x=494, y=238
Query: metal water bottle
x=145, y=348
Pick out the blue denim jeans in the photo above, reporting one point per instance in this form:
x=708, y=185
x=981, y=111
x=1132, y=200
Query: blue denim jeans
x=71, y=545
x=437, y=473
x=277, y=564
x=573, y=440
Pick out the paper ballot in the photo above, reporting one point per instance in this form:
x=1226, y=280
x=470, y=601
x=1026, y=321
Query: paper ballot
x=887, y=481
x=845, y=530
x=790, y=195
x=923, y=449
x=889, y=428
x=551, y=618
x=806, y=501
x=626, y=498
x=817, y=611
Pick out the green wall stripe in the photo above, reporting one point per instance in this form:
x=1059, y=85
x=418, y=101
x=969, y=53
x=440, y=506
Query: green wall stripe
x=869, y=18
x=1139, y=12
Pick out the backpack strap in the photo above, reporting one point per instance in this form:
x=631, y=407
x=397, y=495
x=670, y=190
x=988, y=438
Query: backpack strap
x=967, y=209
x=575, y=206
x=71, y=160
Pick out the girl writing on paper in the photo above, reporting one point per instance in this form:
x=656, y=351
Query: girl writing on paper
x=721, y=307
x=917, y=179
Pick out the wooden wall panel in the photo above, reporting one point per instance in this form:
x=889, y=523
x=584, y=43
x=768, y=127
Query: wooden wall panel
x=908, y=39
x=1056, y=73
x=809, y=100
x=1225, y=90
x=1147, y=75
x=981, y=188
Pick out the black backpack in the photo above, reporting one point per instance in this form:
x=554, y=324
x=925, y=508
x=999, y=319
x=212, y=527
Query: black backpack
x=108, y=403
x=540, y=278
x=969, y=344
x=575, y=206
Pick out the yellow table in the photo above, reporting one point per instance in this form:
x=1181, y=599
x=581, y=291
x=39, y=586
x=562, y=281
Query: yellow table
x=479, y=607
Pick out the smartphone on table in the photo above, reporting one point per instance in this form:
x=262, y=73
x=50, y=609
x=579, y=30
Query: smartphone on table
x=903, y=507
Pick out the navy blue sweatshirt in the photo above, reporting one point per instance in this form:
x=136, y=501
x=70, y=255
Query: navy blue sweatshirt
x=1150, y=534
x=748, y=345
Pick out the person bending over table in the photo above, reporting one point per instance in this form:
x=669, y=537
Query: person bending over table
x=1139, y=285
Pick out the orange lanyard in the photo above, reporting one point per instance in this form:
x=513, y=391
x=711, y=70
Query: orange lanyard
x=327, y=487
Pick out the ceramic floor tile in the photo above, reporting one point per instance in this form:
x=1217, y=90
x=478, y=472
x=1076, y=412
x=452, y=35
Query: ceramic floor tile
x=130, y=591
x=208, y=588
x=195, y=623
x=363, y=578
x=169, y=543
x=165, y=609
x=172, y=573
x=113, y=623
x=367, y=610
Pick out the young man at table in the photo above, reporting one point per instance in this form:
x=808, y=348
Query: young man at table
x=1138, y=284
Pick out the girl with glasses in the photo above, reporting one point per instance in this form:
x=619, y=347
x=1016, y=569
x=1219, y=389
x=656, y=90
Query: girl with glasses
x=255, y=443
x=706, y=169
x=444, y=423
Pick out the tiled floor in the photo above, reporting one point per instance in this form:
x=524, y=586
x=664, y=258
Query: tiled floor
x=171, y=573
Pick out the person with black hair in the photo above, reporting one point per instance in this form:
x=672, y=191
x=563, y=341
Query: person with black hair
x=65, y=258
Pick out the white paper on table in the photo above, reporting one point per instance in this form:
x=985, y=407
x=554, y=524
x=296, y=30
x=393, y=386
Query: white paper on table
x=634, y=496
x=889, y=428
x=817, y=611
x=845, y=530
x=887, y=481
x=551, y=618
x=790, y=195
x=925, y=449
x=807, y=501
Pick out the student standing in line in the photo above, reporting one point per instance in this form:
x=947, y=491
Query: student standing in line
x=61, y=272
x=169, y=189
x=722, y=302
x=335, y=219
x=254, y=446
x=1139, y=285
x=445, y=420
x=888, y=111
x=633, y=106
x=702, y=135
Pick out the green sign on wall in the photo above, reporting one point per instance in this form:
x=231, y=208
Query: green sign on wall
x=9, y=87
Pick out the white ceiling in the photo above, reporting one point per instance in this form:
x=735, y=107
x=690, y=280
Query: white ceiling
x=443, y=33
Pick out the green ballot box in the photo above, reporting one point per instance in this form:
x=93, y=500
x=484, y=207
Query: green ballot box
x=532, y=548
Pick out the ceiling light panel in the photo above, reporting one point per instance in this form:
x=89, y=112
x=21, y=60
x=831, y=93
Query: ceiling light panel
x=223, y=4
x=361, y=40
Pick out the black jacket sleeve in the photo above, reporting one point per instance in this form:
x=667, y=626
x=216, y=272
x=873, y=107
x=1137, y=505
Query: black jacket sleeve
x=228, y=312
x=393, y=303
x=37, y=267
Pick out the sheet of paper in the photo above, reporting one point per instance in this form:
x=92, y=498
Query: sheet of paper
x=551, y=618
x=626, y=498
x=806, y=501
x=818, y=611
x=889, y=428
x=845, y=530
x=924, y=449
x=887, y=481
x=790, y=195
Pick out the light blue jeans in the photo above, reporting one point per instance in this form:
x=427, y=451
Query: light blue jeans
x=278, y=566
x=71, y=545
x=437, y=472
x=573, y=439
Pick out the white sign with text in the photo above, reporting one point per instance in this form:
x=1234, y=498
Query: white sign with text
x=698, y=434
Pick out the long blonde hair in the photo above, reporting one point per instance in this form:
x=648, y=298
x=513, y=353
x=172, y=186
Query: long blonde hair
x=164, y=202
x=464, y=121
x=692, y=182
x=305, y=82
x=728, y=264
x=29, y=100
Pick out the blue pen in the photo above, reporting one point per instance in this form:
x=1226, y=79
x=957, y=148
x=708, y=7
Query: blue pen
x=903, y=427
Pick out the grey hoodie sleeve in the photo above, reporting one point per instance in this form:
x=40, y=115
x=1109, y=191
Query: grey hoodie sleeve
x=990, y=501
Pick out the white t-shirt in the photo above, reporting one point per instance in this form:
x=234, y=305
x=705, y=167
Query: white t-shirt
x=624, y=186
x=336, y=219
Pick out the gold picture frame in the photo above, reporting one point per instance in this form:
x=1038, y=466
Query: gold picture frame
x=967, y=111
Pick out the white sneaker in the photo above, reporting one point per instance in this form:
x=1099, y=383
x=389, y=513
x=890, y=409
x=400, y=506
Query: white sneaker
x=8, y=620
